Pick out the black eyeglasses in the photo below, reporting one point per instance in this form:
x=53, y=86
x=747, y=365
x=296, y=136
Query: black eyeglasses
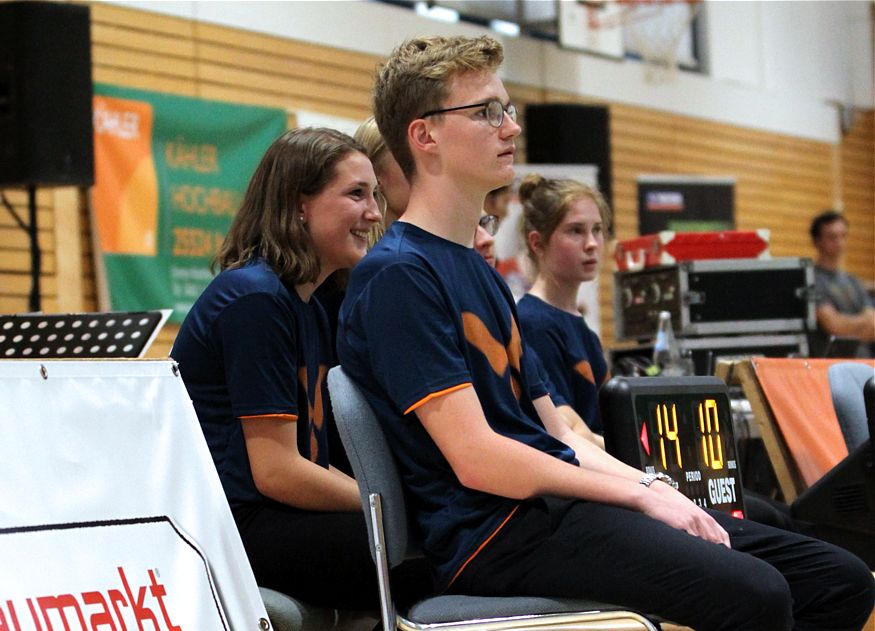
x=493, y=110
x=490, y=223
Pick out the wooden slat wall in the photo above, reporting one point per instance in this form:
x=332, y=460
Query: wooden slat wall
x=781, y=181
x=858, y=194
x=15, y=279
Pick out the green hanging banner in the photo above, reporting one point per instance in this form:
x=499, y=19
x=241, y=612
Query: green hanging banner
x=170, y=174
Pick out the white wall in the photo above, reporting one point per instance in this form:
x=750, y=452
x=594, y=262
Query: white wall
x=774, y=66
x=814, y=50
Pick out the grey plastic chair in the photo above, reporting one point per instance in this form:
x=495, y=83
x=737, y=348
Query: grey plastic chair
x=846, y=381
x=285, y=613
x=290, y=614
x=386, y=516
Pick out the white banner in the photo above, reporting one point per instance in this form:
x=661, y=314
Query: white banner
x=111, y=511
x=122, y=573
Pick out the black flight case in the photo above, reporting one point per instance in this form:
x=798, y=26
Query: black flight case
x=717, y=297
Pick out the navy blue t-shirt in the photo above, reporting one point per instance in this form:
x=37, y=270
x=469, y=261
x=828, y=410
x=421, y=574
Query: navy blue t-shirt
x=571, y=353
x=547, y=385
x=424, y=316
x=847, y=295
x=251, y=347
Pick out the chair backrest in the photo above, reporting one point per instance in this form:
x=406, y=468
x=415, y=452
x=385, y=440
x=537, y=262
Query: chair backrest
x=846, y=381
x=372, y=461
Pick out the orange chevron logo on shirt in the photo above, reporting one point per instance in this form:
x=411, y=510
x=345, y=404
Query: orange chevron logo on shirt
x=315, y=407
x=584, y=369
x=497, y=354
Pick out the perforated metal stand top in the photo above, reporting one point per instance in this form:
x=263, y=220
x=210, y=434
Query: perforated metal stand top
x=79, y=335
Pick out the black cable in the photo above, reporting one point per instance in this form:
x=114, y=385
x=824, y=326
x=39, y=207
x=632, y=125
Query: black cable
x=34, y=300
x=12, y=212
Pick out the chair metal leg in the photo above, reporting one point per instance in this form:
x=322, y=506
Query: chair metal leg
x=387, y=607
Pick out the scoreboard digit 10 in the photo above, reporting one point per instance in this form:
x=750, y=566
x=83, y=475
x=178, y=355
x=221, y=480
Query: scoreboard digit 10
x=680, y=426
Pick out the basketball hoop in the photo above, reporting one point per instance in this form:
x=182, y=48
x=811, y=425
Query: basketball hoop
x=654, y=29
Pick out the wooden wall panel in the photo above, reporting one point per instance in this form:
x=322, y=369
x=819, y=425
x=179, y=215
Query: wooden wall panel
x=781, y=181
x=15, y=264
x=71, y=285
x=858, y=194
x=86, y=252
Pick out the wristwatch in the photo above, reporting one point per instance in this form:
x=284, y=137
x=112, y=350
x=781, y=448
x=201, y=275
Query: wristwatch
x=649, y=478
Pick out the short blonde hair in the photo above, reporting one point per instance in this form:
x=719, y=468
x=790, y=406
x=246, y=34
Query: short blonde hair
x=415, y=80
x=369, y=136
x=546, y=202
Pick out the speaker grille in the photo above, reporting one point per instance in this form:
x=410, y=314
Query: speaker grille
x=850, y=498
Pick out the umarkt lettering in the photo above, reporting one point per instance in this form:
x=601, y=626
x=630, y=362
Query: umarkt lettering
x=721, y=490
x=119, y=609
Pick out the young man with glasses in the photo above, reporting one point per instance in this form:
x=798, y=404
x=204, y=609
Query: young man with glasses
x=509, y=500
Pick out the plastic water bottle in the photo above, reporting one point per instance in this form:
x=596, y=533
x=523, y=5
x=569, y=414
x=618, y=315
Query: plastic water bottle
x=666, y=352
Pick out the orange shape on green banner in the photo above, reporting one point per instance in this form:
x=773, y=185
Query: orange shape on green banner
x=125, y=195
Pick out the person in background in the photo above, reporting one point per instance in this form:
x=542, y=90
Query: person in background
x=393, y=184
x=508, y=500
x=497, y=202
x=484, y=236
x=254, y=351
x=563, y=226
x=844, y=308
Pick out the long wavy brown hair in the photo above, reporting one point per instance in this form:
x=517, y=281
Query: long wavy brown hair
x=268, y=224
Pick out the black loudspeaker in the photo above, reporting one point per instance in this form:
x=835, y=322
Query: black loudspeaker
x=840, y=507
x=568, y=133
x=45, y=94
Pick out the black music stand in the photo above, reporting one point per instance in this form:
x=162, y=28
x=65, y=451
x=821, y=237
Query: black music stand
x=104, y=335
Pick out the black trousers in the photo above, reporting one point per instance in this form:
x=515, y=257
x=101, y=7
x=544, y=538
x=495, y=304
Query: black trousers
x=321, y=558
x=771, y=579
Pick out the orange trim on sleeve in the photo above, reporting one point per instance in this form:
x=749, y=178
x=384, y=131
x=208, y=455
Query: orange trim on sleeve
x=483, y=545
x=435, y=395
x=280, y=417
